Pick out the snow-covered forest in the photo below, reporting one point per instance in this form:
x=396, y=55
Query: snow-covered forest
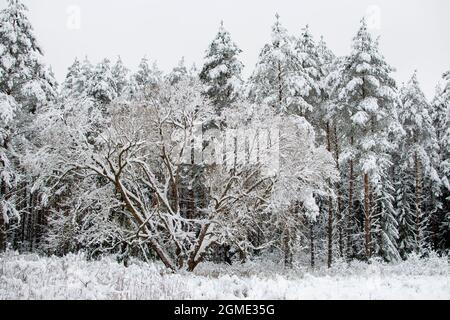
x=315, y=160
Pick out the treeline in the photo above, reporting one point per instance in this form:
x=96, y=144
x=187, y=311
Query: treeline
x=314, y=155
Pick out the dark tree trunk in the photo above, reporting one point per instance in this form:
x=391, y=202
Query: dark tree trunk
x=418, y=195
x=287, y=249
x=312, y=244
x=339, y=198
x=367, y=216
x=330, y=210
x=350, y=204
x=3, y=191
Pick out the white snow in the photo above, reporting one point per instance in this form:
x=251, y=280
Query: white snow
x=72, y=277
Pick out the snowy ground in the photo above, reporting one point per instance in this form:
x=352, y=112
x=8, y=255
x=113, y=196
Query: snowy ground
x=72, y=277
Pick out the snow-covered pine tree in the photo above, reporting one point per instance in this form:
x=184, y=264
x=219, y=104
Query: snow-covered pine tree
x=221, y=72
x=143, y=75
x=26, y=85
x=275, y=80
x=181, y=72
x=416, y=147
x=222, y=83
x=331, y=116
x=314, y=63
x=326, y=56
x=440, y=114
x=101, y=84
x=310, y=75
x=145, y=81
x=71, y=83
x=364, y=104
x=78, y=80
x=325, y=61
x=120, y=76
x=24, y=76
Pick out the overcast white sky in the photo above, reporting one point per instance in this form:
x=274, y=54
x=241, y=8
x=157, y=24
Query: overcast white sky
x=414, y=33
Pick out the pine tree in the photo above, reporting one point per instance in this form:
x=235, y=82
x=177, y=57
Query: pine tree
x=440, y=114
x=365, y=94
x=275, y=80
x=23, y=75
x=178, y=73
x=325, y=59
x=145, y=81
x=26, y=86
x=101, y=84
x=415, y=150
x=310, y=74
x=221, y=72
x=78, y=80
x=120, y=76
x=71, y=84
x=315, y=61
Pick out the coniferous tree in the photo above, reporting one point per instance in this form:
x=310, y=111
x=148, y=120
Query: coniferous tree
x=325, y=61
x=145, y=81
x=101, y=84
x=440, y=114
x=415, y=149
x=274, y=80
x=26, y=86
x=365, y=96
x=178, y=73
x=310, y=74
x=221, y=72
x=70, y=86
x=314, y=65
x=120, y=76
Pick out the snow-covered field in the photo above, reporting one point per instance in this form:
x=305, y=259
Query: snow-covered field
x=72, y=277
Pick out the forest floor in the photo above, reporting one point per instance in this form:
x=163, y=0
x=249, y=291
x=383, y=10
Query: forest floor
x=30, y=276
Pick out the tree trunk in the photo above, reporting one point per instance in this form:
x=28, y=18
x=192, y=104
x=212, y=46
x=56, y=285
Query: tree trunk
x=191, y=197
x=330, y=210
x=287, y=249
x=339, y=198
x=311, y=237
x=195, y=258
x=3, y=191
x=161, y=254
x=2, y=233
x=280, y=85
x=350, y=204
x=366, y=216
x=418, y=195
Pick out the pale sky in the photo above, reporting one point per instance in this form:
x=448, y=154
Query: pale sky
x=414, y=33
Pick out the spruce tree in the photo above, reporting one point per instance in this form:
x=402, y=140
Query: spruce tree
x=364, y=104
x=279, y=79
x=102, y=85
x=310, y=74
x=221, y=72
x=26, y=86
x=120, y=76
x=440, y=114
x=78, y=80
x=70, y=84
x=415, y=149
x=145, y=81
x=178, y=73
x=325, y=61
